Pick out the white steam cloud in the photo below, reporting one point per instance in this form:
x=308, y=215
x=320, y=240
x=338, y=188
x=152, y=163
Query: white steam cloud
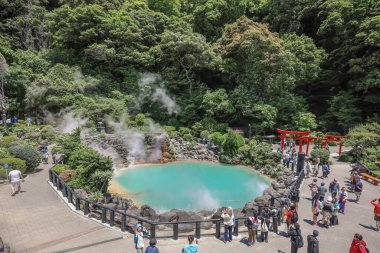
x=152, y=87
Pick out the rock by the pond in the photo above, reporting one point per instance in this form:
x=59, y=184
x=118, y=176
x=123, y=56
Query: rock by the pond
x=168, y=216
x=81, y=193
x=95, y=215
x=148, y=212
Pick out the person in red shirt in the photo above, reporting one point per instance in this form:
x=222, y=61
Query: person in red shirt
x=358, y=245
x=376, y=211
x=289, y=215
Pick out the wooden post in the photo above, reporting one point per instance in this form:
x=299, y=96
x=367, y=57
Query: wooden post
x=282, y=142
x=77, y=204
x=340, y=148
x=307, y=146
x=123, y=220
x=300, y=145
x=64, y=192
x=112, y=218
x=104, y=215
x=69, y=196
x=152, y=230
x=86, y=207
x=175, y=231
x=236, y=227
x=198, y=230
x=217, y=233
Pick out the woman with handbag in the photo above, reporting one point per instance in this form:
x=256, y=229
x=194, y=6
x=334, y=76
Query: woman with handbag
x=252, y=224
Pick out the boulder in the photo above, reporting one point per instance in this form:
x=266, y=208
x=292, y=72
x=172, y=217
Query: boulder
x=168, y=216
x=275, y=185
x=185, y=228
x=111, y=205
x=148, y=212
x=95, y=215
x=205, y=214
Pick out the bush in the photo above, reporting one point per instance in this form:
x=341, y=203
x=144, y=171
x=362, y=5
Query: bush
x=187, y=137
x=184, y=130
x=323, y=154
x=3, y=175
x=16, y=162
x=59, y=168
x=29, y=154
x=8, y=141
x=48, y=133
x=140, y=119
x=217, y=139
x=274, y=171
x=204, y=134
x=232, y=142
x=345, y=158
x=4, y=153
x=171, y=131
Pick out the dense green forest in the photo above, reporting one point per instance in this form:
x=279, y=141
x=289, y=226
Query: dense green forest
x=295, y=64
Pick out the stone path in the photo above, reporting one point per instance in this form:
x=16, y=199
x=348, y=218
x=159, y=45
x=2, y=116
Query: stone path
x=37, y=220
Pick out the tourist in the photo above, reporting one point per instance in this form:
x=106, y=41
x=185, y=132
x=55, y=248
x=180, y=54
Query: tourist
x=265, y=213
x=316, y=165
x=322, y=191
x=327, y=209
x=313, y=188
x=358, y=189
x=325, y=170
x=343, y=195
x=252, y=224
x=229, y=222
x=152, y=246
x=316, y=208
x=192, y=247
x=313, y=243
x=308, y=168
x=286, y=160
x=265, y=223
x=29, y=121
x=334, y=188
x=334, y=214
x=15, y=178
x=139, y=239
x=292, y=217
x=295, y=238
x=54, y=157
x=285, y=202
x=358, y=245
x=376, y=212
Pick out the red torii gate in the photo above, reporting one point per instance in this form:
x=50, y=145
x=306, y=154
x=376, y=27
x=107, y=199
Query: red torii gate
x=294, y=135
x=334, y=138
x=304, y=136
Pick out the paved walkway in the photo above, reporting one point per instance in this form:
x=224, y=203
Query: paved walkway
x=37, y=220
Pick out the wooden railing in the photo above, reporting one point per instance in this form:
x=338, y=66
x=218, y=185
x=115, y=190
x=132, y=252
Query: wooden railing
x=108, y=215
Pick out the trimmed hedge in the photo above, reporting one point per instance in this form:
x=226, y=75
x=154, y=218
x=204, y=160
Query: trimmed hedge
x=18, y=163
x=28, y=153
x=8, y=141
x=59, y=168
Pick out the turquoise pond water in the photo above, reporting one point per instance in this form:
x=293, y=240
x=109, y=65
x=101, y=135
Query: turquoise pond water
x=191, y=185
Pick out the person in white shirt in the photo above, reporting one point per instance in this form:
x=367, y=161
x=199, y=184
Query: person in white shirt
x=15, y=178
x=139, y=239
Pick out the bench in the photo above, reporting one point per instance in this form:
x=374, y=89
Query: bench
x=367, y=177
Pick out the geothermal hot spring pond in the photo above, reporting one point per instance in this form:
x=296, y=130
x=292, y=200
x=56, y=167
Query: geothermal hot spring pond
x=191, y=185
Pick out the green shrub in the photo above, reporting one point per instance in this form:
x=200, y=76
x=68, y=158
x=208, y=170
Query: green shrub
x=274, y=171
x=197, y=128
x=3, y=175
x=16, y=162
x=8, y=141
x=217, y=139
x=140, y=119
x=95, y=196
x=48, y=133
x=4, y=153
x=29, y=154
x=323, y=154
x=191, y=144
x=184, y=130
x=232, y=142
x=222, y=127
x=60, y=167
x=187, y=137
x=345, y=158
x=171, y=131
x=204, y=134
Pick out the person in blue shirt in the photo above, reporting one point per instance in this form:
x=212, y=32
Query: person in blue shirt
x=152, y=246
x=192, y=247
x=358, y=189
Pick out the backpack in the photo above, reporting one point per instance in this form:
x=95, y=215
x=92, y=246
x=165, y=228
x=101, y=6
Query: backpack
x=136, y=238
x=294, y=217
x=299, y=241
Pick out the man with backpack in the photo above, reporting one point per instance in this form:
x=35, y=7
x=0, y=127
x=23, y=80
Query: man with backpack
x=313, y=243
x=296, y=238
